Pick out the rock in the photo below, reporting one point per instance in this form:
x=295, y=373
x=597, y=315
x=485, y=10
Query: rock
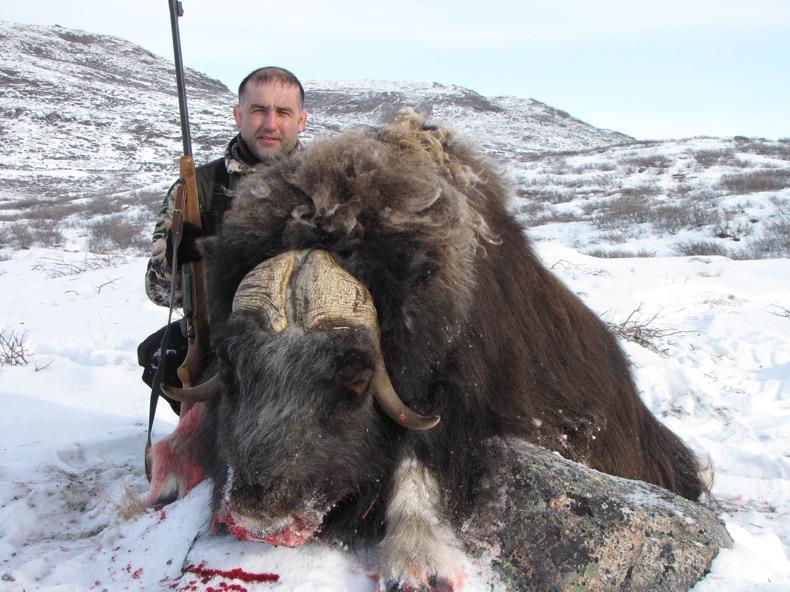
x=558, y=525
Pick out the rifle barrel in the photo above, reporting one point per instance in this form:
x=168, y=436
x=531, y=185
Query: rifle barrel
x=176, y=10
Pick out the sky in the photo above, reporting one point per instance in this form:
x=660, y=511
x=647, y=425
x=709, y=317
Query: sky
x=651, y=69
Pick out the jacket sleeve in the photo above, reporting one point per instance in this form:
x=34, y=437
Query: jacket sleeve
x=158, y=274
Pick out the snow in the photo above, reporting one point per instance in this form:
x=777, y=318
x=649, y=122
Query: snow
x=73, y=426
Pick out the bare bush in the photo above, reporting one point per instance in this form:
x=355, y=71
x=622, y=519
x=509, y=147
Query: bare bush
x=151, y=200
x=641, y=331
x=529, y=208
x=107, y=204
x=117, y=232
x=732, y=225
x=681, y=189
x=779, y=202
x=711, y=157
x=647, y=161
x=13, y=351
x=779, y=149
x=701, y=248
x=618, y=236
x=775, y=241
x=47, y=234
x=644, y=190
x=602, y=166
x=781, y=311
x=674, y=218
x=756, y=181
x=53, y=211
x=620, y=253
x=552, y=196
x=18, y=235
x=552, y=217
x=556, y=165
x=622, y=211
x=58, y=267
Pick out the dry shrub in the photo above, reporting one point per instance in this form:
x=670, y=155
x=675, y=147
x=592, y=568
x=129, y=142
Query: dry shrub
x=620, y=254
x=55, y=267
x=18, y=235
x=775, y=242
x=131, y=505
x=53, y=211
x=779, y=150
x=732, y=225
x=548, y=195
x=117, y=232
x=647, y=161
x=529, y=208
x=13, y=351
x=644, y=190
x=552, y=218
x=756, y=181
x=674, y=218
x=711, y=157
x=47, y=234
x=701, y=248
x=623, y=211
x=641, y=331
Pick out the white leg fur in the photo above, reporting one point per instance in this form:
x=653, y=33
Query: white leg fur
x=419, y=543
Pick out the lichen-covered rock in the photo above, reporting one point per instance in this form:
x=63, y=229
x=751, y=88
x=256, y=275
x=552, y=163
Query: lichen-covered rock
x=559, y=526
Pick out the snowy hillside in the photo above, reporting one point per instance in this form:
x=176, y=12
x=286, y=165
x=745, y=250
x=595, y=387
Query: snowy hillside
x=90, y=127
x=84, y=114
x=682, y=246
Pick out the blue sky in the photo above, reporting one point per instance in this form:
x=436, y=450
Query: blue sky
x=651, y=69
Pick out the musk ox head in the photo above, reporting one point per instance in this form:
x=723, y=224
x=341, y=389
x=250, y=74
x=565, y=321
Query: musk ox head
x=300, y=366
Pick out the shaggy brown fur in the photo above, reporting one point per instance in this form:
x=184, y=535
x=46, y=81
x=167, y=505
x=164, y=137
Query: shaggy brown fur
x=473, y=327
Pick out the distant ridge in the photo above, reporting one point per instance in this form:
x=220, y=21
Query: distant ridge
x=85, y=114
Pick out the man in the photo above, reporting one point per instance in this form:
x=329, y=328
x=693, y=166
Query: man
x=270, y=115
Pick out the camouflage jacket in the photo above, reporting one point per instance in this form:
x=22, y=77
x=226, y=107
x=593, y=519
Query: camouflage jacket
x=214, y=180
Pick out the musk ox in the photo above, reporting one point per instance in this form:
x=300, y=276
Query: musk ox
x=378, y=315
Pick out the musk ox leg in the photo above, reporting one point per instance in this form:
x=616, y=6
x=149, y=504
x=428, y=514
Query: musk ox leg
x=174, y=467
x=419, y=551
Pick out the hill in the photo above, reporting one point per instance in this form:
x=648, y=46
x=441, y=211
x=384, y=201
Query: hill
x=90, y=128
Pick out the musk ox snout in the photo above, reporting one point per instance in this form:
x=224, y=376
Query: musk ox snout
x=303, y=386
x=296, y=441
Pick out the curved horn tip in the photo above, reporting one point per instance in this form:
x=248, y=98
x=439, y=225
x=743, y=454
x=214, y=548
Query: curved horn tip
x=202, y=392
x=414, y=421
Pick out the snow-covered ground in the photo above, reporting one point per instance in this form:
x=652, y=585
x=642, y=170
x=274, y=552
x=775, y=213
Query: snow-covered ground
x=73, y=423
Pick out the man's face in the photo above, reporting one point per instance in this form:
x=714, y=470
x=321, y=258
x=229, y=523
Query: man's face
x=269, y=118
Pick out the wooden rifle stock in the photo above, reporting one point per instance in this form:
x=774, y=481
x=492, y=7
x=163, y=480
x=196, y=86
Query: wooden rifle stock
x=187, y=209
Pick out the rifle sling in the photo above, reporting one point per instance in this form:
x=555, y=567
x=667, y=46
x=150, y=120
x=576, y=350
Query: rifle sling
x=156, y=386
x=210, y=222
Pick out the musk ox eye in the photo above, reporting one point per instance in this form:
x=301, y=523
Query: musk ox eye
x=355, y=371
x=360, y=382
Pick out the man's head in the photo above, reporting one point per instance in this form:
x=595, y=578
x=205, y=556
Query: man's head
x=270, y=114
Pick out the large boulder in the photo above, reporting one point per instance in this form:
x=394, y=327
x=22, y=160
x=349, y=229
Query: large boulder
x=557, y=525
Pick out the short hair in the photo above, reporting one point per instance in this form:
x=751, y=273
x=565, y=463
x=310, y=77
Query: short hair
x=273, y=74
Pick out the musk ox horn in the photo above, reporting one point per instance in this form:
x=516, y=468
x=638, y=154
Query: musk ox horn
x=390, y=402
x=196, y=394
x=308, y=288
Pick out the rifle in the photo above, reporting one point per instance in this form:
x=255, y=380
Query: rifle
x=187, y=209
